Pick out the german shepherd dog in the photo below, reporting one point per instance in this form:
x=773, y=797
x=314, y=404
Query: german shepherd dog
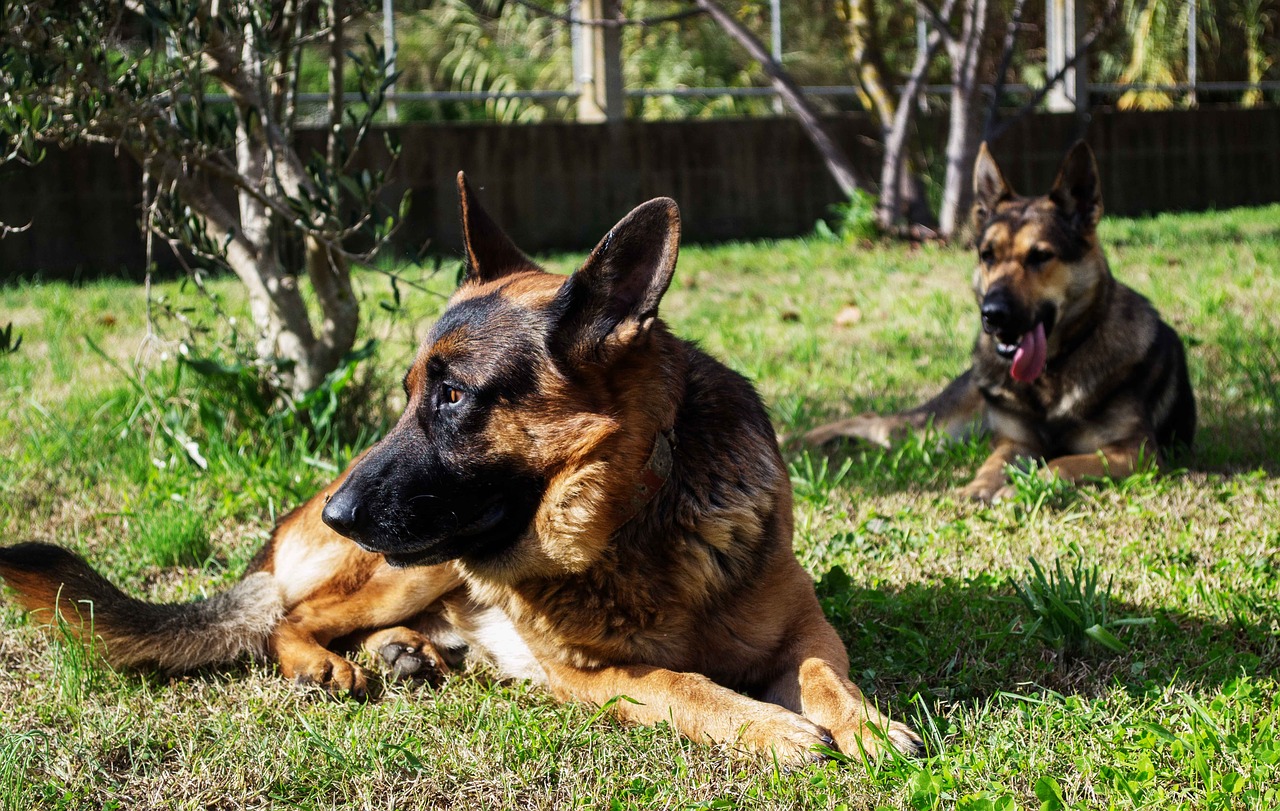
x=1071, y=366
x=572, y=493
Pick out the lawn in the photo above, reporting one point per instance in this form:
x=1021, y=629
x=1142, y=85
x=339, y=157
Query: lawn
x=169, y=483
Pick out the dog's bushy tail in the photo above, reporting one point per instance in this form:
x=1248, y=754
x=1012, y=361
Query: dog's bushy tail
x=169, y=637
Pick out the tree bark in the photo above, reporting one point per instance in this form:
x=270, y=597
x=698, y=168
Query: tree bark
x=286, y=224
x=963, y=137
x=860, y=26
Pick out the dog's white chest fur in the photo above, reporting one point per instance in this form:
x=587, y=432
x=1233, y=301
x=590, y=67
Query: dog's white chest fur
x=491, y=636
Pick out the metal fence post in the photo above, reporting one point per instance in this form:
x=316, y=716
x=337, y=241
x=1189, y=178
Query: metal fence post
x=775, y=43
x=1191, y=49
x=389, y=46
x=1064, y=26
x=598, y=62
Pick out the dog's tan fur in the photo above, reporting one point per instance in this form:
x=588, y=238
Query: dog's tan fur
x=684, y=597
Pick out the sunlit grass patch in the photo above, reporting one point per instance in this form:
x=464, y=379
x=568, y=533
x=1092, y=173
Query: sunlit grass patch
x=175, y=536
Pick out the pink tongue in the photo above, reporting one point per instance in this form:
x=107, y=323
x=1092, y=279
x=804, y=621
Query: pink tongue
x=1028, y=361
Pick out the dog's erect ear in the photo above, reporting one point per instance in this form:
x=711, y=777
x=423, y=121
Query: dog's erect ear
x=490, y=252
x=989, y=186
x=612, y=300
x=1077, y=190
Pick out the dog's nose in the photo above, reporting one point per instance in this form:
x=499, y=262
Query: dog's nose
x=342, y=512
x=996, y=310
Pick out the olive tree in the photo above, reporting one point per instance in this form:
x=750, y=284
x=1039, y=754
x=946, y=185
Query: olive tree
x=206, y=96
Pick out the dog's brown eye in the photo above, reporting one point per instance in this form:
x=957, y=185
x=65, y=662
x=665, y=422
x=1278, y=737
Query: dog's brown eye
x=1038, y=256
x=452, y=395
x=987, y=256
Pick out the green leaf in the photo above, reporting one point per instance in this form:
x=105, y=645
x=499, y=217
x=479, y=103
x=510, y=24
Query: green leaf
x=1105, y=638
x=1050, y=794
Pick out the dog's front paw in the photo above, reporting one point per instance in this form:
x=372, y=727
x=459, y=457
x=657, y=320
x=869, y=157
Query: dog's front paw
x=407, y=655
x=334, y=674
x=789, y=738
x=408, y=661
x=1006, y=493
x=980, y=490
x=905, y=739
x=874, y=740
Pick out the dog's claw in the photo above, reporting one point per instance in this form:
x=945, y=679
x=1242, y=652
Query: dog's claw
x=976, y=491
x=1005, y=493
x=336, y=676
x=905, y=740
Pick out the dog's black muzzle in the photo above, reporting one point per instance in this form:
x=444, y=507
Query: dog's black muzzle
x=1007, y=319
x=418, y=513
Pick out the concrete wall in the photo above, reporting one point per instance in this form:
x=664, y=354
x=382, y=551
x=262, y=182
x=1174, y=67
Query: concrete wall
x=560, y=186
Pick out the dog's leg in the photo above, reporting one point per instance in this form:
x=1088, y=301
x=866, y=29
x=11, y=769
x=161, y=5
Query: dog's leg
x=873, y=428
x=817, y=685
x=298, y=646
x=333, y=589
x=956, y=411
x=1117, y=461
x=990, y=480
x=696, y=706
x=386, y=598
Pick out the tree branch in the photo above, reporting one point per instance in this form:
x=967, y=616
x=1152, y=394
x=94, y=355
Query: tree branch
x=997, y=127
x=896, y=138
x=619, y=22
x=837, y=162
x=1006, y=58
x=941, y=20
x=336, y=43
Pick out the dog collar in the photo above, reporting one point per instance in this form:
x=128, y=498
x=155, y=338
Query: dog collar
x=656, y=471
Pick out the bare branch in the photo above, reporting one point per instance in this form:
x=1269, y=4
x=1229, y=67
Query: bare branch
x=996, y=127
x=1007, y=47
x=619, y=22
x=336, y=46
x=837, y=162
x=940, y=20
x=896, y=138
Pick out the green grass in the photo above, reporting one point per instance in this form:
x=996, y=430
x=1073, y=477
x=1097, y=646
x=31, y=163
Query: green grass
x=922, y=586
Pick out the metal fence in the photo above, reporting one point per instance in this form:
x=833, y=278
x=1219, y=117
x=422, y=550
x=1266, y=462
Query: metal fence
x=1062, y=40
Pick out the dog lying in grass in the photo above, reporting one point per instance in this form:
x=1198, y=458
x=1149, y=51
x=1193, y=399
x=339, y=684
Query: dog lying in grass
x=573, y=493
x=1071, y=366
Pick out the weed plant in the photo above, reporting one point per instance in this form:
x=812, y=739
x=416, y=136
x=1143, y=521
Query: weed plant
x=1069, y=610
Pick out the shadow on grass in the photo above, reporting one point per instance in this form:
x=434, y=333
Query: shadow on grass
x=961, y=641
x=1235, y=445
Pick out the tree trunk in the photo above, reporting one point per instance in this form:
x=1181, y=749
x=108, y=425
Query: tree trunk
x=963, y=138
x=897, y=183
x=286, y=338
x=860, y=20
x=279, y=313
x=287, y=225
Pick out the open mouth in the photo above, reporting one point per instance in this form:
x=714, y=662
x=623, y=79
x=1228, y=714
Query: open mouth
x=1028, y=353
